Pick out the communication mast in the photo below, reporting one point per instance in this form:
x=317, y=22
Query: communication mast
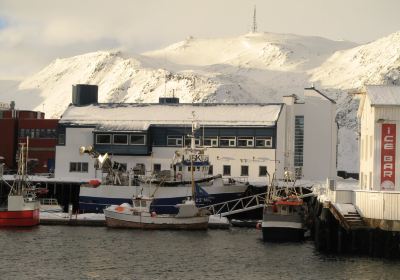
x=254, y=28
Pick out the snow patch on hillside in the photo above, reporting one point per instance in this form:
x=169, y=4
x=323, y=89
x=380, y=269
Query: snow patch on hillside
x=374, y=63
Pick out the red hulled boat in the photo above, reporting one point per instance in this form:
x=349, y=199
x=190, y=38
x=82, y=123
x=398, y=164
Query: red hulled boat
x=22, y=206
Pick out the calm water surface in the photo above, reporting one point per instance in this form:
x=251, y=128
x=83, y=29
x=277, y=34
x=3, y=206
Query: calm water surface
x=60, y=252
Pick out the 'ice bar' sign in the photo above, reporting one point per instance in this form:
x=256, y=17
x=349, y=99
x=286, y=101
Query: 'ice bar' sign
x=388, y=157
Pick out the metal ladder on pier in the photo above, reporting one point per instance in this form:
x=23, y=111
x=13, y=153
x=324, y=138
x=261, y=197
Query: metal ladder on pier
x=235, y=206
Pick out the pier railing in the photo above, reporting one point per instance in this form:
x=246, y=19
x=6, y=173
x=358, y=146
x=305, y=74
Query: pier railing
x=377, y=205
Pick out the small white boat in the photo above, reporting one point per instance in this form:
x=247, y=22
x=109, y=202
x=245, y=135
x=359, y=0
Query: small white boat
x=139, y=216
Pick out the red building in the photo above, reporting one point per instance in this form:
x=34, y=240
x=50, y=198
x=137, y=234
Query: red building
x=16, y=126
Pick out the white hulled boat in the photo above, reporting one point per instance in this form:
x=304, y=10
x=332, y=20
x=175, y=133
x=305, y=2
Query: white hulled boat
x=140, y=215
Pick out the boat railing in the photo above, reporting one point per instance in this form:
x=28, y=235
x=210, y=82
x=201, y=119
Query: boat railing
x=48, y=201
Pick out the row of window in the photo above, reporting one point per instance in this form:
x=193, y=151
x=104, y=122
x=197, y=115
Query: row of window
x=244, y=170
x=226, y=169
x=120, y=139
x=179, y=141
x=223, y=141
x=38, y=133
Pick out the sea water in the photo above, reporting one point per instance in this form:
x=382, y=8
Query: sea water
x=62, y=252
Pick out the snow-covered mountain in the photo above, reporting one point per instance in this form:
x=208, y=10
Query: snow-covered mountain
x=374, y=63
x=260, y=67
x=257, y=67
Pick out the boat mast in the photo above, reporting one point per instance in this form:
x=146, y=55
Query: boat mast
x=192, y=148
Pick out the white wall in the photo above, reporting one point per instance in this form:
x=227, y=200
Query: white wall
x=320, y=137
x=371, y=121
x=75, y=138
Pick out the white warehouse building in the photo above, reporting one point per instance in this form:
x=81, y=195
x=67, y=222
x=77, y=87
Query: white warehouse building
x=248, y=141
x=379, y=114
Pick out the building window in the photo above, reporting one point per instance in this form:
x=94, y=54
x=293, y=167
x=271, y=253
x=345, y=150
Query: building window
x=229, y=141
x=244, y=170
x=156, y=167
x=210, y=170
x=78, y=167
x=262, y=171
x=188, y=141
x=138, y=139
x=120, y=139
x=226, y=170
x=245, y=142
x=264, y=142
x=174, y=141
x=103, y=139
x=61, y=139
x=298, y=141
x=210, y=141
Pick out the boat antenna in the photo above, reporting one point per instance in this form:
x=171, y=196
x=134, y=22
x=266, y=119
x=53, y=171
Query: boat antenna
x=192, y=148
x=254, y=27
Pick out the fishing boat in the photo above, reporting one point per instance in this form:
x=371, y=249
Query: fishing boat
x=22, y=205
x=283, y=214
x=174, y=185
x=141, y=215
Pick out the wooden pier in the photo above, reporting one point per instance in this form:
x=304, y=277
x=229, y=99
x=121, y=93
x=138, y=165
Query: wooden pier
x=357, y=221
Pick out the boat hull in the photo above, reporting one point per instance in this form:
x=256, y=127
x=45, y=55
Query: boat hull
x=23, y=218
x=165, y=199
x=127, y=220
x=282, y=231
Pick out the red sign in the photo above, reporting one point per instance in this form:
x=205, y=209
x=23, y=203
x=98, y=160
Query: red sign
x=388, y=157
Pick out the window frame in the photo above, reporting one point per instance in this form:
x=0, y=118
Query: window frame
x=229, y=139
x=211, y=139
x=79, y=167
x=223, y=170
x=177, y=138
x=242, y=168
x=97, y=142
x=259, y=171
x=144, y=139
x=156, y=169
x=197, y=141
x=248, y=139
x=120, y=134
x=267, y=140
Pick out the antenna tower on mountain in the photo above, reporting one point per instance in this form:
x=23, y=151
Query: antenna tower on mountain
x=254, y=28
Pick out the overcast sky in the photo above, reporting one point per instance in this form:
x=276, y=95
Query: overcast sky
x=33, y=33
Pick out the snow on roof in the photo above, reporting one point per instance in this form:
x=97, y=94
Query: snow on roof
x=133, y=117
x=383, y=95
